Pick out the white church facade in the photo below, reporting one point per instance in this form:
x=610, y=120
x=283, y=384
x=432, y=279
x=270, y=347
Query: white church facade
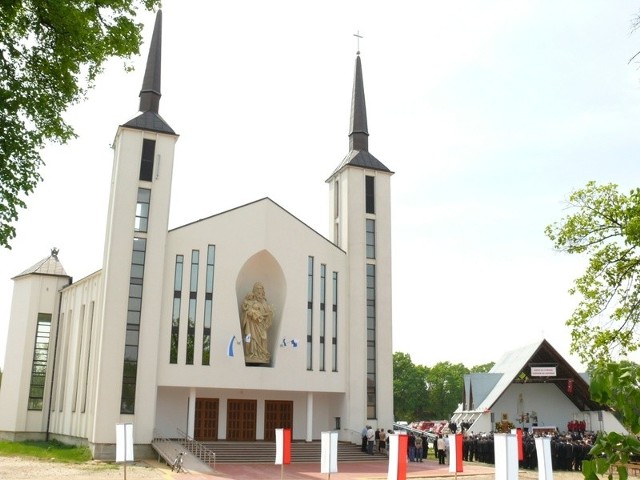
x=223, y=329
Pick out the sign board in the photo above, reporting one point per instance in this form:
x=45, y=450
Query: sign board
x=543, y=371
x=329, y=452
x=124, y=442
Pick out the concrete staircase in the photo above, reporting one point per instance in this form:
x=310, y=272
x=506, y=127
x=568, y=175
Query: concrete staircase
x=301, y=452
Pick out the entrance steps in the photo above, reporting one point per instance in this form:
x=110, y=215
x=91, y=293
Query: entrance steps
x=301, y=452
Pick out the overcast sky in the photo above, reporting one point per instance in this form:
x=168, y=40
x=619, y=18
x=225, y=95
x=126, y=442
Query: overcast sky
x=489, y=113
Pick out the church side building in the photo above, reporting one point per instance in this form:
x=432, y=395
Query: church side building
x=222, y=329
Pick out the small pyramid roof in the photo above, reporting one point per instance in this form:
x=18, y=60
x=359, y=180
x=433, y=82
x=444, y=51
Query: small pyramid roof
x=47, y=266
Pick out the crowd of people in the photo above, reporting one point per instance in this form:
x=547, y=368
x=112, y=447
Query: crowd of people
x=568, y=450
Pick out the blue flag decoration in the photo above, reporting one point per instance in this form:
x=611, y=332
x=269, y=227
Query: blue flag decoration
x=230, y=347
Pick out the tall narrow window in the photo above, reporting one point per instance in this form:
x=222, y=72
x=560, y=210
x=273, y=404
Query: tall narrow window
x=88, y=361
x=336, y=199
x=65, y=336
x=146, y=163
x=323, y=299
x=208, y=306
x=132, y=341
x=39, y=365
x=193, y=295
x=369, y=189
x=371, y=238
x=310, y=314
x=175, y=315
x=79, y=347
x=142, y=210
x=371, y=341
x=336, y=213
x=334, y=326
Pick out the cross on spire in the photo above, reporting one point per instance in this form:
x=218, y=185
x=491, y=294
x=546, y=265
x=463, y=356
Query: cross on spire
x=358, y=36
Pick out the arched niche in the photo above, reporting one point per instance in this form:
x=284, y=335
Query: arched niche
x=264, y=268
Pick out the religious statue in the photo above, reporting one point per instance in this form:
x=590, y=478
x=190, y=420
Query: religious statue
x=257, y=317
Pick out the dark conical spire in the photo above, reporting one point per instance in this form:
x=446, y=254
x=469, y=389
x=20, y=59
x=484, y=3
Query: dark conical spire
x=358, y=132
x=150, y=93
x=359, y=155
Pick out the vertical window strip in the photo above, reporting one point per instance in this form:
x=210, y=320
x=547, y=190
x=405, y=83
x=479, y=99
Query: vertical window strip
x=371, y=341
x=310, y=314
x=79, y=349
x=193, y=303
x=142, y=210
x=369, y=187
x=208, y=306
x=175, y=315
x=336, y=213
x=146, y=162
x=83, y=406
x=336, y=199
x=132, y=340
x=58, y=360
x=334, y=327
x=62, y=379
x=39, y=364
x=323, y=299
x=371, y=238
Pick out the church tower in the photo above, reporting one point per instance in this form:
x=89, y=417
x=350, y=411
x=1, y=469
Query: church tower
x=360, y=206
x=133, y=265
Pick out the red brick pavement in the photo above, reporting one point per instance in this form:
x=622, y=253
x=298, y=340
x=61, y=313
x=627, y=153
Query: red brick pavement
x=346, y=471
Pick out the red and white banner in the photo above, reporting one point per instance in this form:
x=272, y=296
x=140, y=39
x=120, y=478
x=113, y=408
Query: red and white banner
x=520, y=444
x=397, y=457
x=283, y=446
x=455, y=452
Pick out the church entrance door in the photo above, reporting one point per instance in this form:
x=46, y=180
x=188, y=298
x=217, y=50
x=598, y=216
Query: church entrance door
x=206, y=421
x=241, y=420
x=277, y=414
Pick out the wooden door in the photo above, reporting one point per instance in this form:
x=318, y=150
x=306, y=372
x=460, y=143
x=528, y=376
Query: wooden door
x=206, y=422
x=241, y=420
x=277, y=414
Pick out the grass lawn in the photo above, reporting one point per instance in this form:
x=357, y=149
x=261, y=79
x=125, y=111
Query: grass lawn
x=52, y=450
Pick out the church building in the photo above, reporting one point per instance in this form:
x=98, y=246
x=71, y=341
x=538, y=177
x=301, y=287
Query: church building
x=221, y=329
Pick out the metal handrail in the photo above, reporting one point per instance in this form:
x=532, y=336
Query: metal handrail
x=199, y=450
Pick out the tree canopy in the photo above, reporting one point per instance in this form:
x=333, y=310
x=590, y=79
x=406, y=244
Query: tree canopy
x=605, y=226
x=50, y=56
x=428, y=393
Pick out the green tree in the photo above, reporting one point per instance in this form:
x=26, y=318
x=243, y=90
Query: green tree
x=485, y=367
x=616, y=384
x=445, y=386
x=409, y=388
x=605, y=225
x=50, y=55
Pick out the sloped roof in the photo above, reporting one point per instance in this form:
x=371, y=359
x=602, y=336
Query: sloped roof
x=47, y=266
x=256, y=202
x=150, y=121
x=515, y=367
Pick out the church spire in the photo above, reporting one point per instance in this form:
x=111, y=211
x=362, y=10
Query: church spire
x=150, y=93
x=358, y=132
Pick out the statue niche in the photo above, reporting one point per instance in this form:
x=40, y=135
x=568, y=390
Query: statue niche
x=257, y=318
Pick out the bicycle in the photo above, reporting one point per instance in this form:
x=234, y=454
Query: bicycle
x=177, y=463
